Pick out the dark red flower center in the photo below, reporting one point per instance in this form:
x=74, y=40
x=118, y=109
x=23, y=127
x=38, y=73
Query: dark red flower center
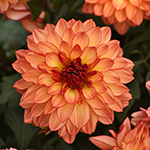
x=75, y=74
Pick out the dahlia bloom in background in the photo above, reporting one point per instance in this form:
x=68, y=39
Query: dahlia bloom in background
x=9, y=149
x=126, y=139
x=143, y=115
x=148, y=86
x=19, y=10
x=73, y=76
x=121, y=13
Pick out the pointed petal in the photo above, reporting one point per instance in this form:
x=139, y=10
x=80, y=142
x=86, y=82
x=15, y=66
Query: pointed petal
x=16, y=66
x=98, y=9
x=69, y=138
x=43, y=120
x=121, y=4
x=34, y=48
x=89, y=24
x=101, y=50
x=65, y=47
x=75, y=52
x=95, y=78
x=108, y=9
x=130, y=11
x=106, y=35
x=37, y=110
x=136, y=3
x=49, y=27
x=100, y=86
x=119, y=63
x=138, y=18
x=4, y=5
x=120, y=15
x=106, y=121
x=49, y=108
x=78, y=27
x=54, y=88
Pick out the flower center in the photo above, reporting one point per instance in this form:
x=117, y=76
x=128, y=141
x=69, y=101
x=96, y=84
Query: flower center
x=75, y=74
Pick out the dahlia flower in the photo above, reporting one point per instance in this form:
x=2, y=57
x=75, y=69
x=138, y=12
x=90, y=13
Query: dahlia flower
x=126, y=139
x=9, y=149
x=121, y=13
x=143, y=115
x=19, y=10
x=73, y=76
x=148, y=86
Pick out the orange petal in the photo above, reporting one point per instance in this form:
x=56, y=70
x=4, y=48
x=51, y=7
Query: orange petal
x=138, y=18
x=34, y=48
x=27, y=116
x=64, y=112
x=43, y=120
x=75, y=52
x=54, y=88
x=89, y=92
x=100, y=86
x=52, y=60
x=62, y=131
x=34, y=59
x=106, y=121
x=103, y=141
x=54, y=123
x=54, y=38
x=88, y=55
x=89, y=24
x=71, y=96
x=68, y=35
x=49, y=27
x=31, y=75
x=78, y=27
x=58, y=100
x=108, y=9
x=98, y=9
x=16, y=66
x=91, y=1
x=104, y=65
x=104, y=112
x=68, y=138
x=37, y=110
x=94, y=35
x=45, y=79
x=46, y=47
x=44, y=67
x=82, y=39
x=39, y=35
x=120, y=15
x=101, y=50
x=130, y=11
x=49, y=108
x=136, y=3
x=119, y=63
x=21, y=53
x=61, y=26
x=80, y=115
x=97, y=77
x=106, y=35
x=4, y=5
x=41, y=95
x=121, y=4
x=65, y=47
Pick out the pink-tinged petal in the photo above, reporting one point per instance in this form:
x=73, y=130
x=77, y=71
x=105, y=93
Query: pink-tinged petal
x=108, y=9
x=117, y=106
x=37, y=110
x=54, y=38
x=138, y=18
x=16, y=15
x=108, y=97
x=125, y=76
x=46, y=47
x=112, y=52
x=4, y=5
x=100, y=86
x=104, y=65
x=145, y=6
x=82, y=39
x=71, y=22
x=71, y=96
x=130, y=11
x=68, y=35
x=21, y=84
x=119, y=63
x=106, y=121
x=89, y=24
x=80, y=115
x=64, y=112
x=58, y=100
x=97, y=102
x=78, y=27
x=45, y=79
x=24, y=104
x=49, y=108
x=91, y=1
x=101, y=50
x=43, y=120
x=127, y=124
x=106, y=35
x=62, y=131
x=111, y=77
x=49, y=27
x=21, y=53
x=121, y=4
x=95, y=78
x=71, y=128
x=121, y=27
x=16, y=66
x=52, y=60
x=32, y=75
x=27, y=116
x=118, y=88
x=54, y=123
x=34, y=59
x=94, y=35
x=120, y=15
x=90, y=127
x=39, y=35
x=136, y=3
x=30, y=40
x=68, y=138
x=147, y=85
x=129, y=65
x=29, y=94
x=44, y=67
x=133, y=145
x=88, y=55
x=33, y=47
x=98, y=9
x=88, y=8
x=75, y=52
x=54, y=88
x=41, y=95
x=103, y=141
x=61, y=26
x=65, y=47
x=89, y=92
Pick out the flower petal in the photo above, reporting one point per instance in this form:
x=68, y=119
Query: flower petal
x=100, y=86
x=54, y=88
x=121, y=4
x=108, y=9
x=78, y=27
x=138, y=18
x=120, y=15
x=4, y=5
x=106, y=35
x=37, y=110
x=130, y=11
x=136, y=3
x=49, y=108
x=89, y=24
x=65, y=47
x=34, y=48
x=98, y=9
x=101, y=50
x=75, y=52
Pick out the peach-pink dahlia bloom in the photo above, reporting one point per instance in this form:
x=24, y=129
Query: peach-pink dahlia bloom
x=73, y=76
x=126, y=139
x=143, y=115
x=9, y=148
x=121, y=13
x=20, y=11
x=148, y=86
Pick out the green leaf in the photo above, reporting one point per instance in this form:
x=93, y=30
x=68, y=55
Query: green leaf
x=8, y=92
x=36, y=7
x=23, y=132
x=1, y=142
